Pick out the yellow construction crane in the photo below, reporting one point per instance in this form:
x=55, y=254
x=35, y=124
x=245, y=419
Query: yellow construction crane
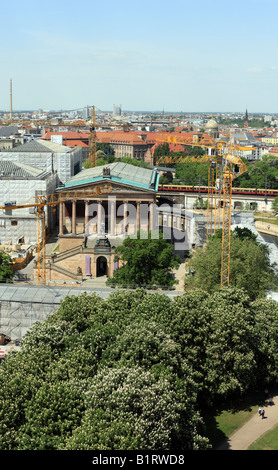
x=52, y=201
x=224, y=167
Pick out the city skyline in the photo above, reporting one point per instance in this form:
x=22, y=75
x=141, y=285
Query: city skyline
x=148, y=56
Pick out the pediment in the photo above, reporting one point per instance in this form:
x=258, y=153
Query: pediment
x=104, y=187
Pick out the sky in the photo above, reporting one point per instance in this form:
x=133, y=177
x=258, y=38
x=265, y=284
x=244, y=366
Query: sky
x=147, y=55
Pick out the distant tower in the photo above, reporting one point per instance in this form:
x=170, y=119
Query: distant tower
x=11, y=98
x=117, y=110
x=246, y=119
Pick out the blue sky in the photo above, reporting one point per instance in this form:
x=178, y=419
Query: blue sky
x=151, y=55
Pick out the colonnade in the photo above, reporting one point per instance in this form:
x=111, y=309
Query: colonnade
x=142, y=209
x=121, y=216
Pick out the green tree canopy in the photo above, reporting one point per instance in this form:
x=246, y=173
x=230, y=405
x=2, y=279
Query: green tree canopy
x=259, y=175
x=148, y=262
x=275, y=204
x=250, y=267
x=6, y=272
x=135, y=371
x=192, y=174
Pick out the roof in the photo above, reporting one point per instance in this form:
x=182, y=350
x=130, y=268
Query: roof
x=120, y=172
x=18, y=170
x=6, y=131
x=39, y=146
x=126, y=137
x=54, y=295
x=36, y=294
x=67, y=135
x=211, y=124
x=75, y=143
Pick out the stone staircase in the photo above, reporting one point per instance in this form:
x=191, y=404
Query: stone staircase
x=55, y=257
x=65, y=271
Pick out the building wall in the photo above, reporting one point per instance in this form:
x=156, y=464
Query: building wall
x=75, y=262
x=63, y=163
x=18, y=223
x=270, y=140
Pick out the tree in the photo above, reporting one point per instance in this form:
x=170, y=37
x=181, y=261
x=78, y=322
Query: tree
x=275, y=204
x=230, y=367
x=51, y=415
x=105, y=154
x=127, y=408
x=192, y=173
x=260, y=174
x=81, y=312
x=196, y=151
x=163, y=180
x=135, y=371
x=250, y=267
x=161, y=151
x=190, y=327
x=148, y=262
x=265, y=314
x=6, y=272
x=134, y=162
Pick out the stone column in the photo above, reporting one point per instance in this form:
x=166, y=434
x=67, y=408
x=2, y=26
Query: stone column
x=61, y=214
x=125, y=215
x=99, y=216
x=112, y=207
x=151, y=219
x=86, y=213
x=73, y=217
x=138, y=216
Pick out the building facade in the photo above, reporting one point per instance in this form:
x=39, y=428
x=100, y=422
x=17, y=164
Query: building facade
x=20, y=184
x=125, y=143
x=101, y=206
x=47, y=156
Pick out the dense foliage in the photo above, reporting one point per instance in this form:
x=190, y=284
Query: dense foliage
x=134, y=371
x=261, y=174
x=6, y=272
x=148, y=262
x=250, y=267
x=252, y=122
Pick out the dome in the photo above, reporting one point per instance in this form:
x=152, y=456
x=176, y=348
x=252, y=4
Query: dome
x=211, y=124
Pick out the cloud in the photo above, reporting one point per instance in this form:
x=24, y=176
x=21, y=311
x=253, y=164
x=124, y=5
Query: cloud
x=255, y=69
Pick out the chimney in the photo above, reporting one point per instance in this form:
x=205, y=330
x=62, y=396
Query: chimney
x=11, y=98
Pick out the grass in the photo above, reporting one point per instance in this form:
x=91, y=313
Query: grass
x=269, y=441
x=224, y=421
x=269, y=221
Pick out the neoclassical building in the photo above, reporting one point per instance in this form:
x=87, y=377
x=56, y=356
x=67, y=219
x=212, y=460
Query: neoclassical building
x=101, y=206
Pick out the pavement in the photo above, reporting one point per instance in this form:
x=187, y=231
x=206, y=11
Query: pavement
x=253, y=429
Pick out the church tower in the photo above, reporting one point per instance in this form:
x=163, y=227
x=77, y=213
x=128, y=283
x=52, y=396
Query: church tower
x=246, y=119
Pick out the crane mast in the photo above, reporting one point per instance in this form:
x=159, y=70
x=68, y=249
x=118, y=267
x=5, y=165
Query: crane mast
x=93, y=141
x=224, y=167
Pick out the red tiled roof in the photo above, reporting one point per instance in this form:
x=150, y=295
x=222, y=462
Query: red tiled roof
x=124, y=137
x=67, y=135
x=74, y=143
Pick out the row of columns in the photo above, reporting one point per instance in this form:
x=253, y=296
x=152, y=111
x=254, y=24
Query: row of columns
x=62, y=215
